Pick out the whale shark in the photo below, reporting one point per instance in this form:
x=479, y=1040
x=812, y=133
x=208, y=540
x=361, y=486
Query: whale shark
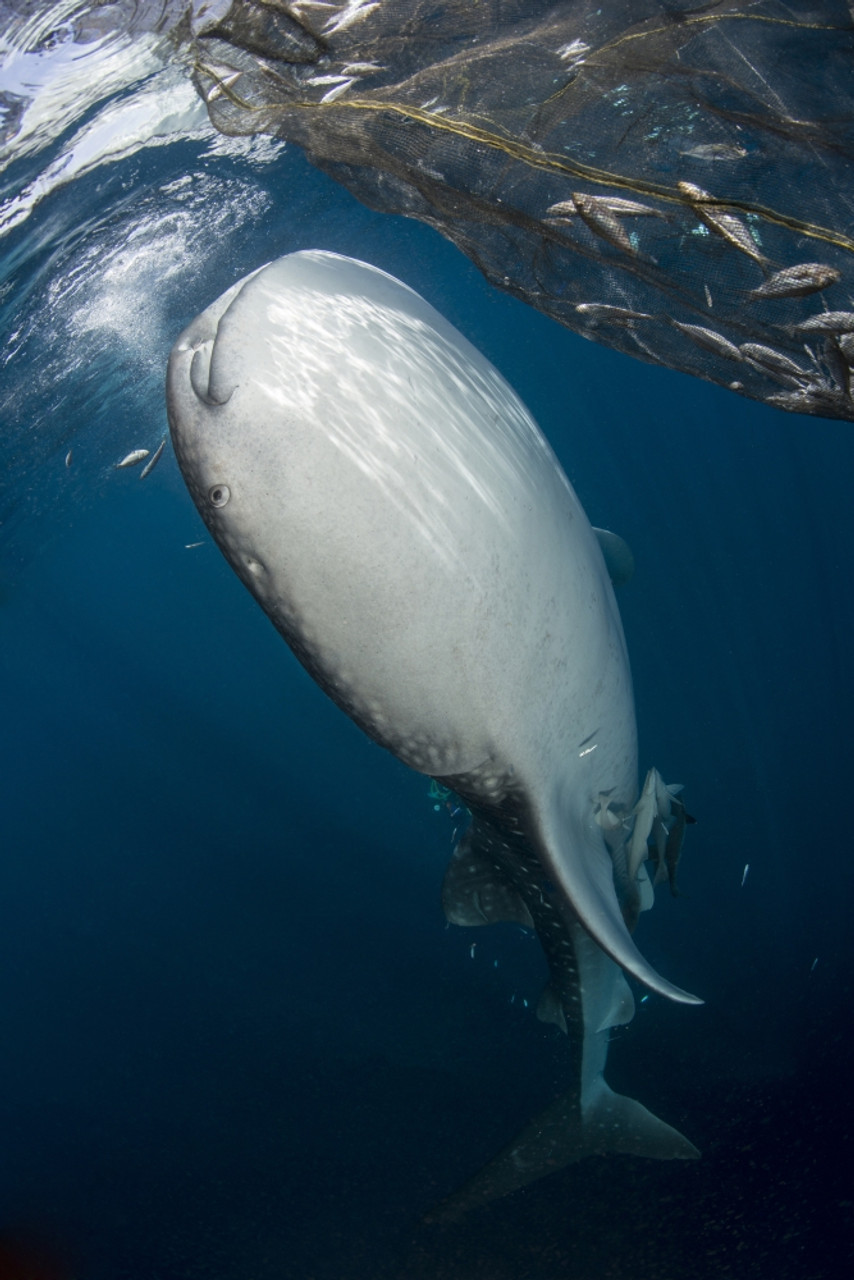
x=395, y=510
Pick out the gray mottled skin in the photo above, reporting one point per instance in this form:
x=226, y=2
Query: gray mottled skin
x=395, y=510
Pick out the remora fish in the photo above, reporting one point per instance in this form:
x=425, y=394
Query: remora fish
x=397, y=513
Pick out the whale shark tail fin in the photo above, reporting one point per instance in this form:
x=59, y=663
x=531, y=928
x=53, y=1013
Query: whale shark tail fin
x=616, y=1124
x=610, y=1123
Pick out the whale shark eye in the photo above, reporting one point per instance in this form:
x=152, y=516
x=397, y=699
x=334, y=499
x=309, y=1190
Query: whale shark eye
x=219, y=495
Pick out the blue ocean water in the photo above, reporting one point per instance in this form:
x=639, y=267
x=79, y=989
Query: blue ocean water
x=238, y=1037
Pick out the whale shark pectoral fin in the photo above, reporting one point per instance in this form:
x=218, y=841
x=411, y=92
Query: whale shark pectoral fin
x=559, y=1136
x=579, y=862
x=473, y=892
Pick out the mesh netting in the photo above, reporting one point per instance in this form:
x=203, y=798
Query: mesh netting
x=672, y=180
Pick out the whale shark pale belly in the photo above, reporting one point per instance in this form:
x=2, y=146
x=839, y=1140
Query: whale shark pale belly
x=395, y=510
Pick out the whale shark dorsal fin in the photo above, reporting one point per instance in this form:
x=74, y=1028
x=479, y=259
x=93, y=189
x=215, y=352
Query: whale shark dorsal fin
x=574, y=855
x=473, y=894
x=619, y=560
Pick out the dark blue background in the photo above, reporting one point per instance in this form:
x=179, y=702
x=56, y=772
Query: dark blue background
x=238, y=1038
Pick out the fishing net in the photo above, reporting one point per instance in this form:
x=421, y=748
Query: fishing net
x=672, y=180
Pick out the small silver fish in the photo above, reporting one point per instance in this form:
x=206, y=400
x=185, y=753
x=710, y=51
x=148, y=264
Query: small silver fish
x=223, y=78
x=471, y=951
x=733, y=230
x=574, y=51
x=829, y=358
x=337, y=91
x=68, y=457
x=770, y=360
x=846, y=346
x=797, y=282
x=744, y=873
x=814, y=963
x=563, y=209
x=828, y=322
x=815, y=398
x=221, y=85
x=607, y=313
x=710, y=339
x=694, y=193
x=603, y=222
x=361, y=68
x=133, y=458
x=188, y=546
x=616, y=205
x=327, y=79
x=727, y=225
x=715, y=151
x=153, y=461
x=626, y=208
